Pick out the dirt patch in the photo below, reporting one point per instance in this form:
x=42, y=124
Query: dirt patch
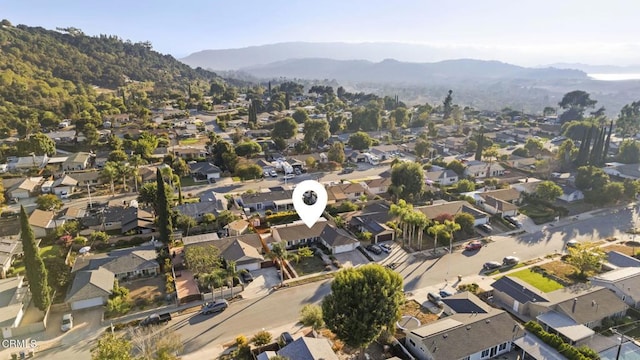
x=145, y=292
x=560, y=269
x=413, y=308
x=625, y=248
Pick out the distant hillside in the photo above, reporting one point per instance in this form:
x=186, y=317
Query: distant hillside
x=392, y=71
x=47, y=75
x=234, y=59
x=598, y=69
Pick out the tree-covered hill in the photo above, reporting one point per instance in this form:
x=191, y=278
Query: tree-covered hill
x=48, y=75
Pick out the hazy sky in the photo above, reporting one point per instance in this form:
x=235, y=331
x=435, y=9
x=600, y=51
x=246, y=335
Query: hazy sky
x=527, y=32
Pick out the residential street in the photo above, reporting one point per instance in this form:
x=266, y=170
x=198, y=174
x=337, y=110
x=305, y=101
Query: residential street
x=419, y=272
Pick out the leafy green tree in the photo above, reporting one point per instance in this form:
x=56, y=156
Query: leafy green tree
x=629, y=152
x=99, y=236
x=631, y=188
x=311, y=315
x=305, y=252
x=466, y=222
x=422, y=147
x=628, y=122
x=613, y=192
x=456, y=166
x=300, y=116
x=316, y=132
x=224, y=218
x=208, y=219
x=591, y=178
x=575, y=103
x=48, y=202
x=248, y=170
x=285, y=128
x=567, y=152
x=586, y=257
x=91, y=134
x=534, y=146
x=202, y=259
x=465, y=185
x=163, y=211
x=363, y=302
x=435, y=230
x=336, y=153
x=112, y=347
x=248, y=149
x=548, y=190
x=360, y=140
x=185, y=223
x=39, y=144
x=109, y=172
x=34, y=266
x=409, y=177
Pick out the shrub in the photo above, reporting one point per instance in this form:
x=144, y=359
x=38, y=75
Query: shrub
x=261, y=338
x=311, y=315
x=80, y=240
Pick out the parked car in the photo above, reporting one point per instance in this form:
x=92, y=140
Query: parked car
x=474, y=245
x=67, y=322
x=273, y=173
x=297, y=171
x=510, y=260
x=266, y=174
x=385, y=247
x=346, y=171
x=289, y=176
x=445, y=293
x=286, y=338
x=490, y=265
x=485, y=227
x=246, y=276
x=392, y=265
x=572, y=243
x=156, y=319
x=374, y=249
x=515, y=222
x=214, y=307
x=436, y=299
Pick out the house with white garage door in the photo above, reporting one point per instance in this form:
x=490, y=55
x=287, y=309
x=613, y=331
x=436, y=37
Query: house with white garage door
x=90, y=289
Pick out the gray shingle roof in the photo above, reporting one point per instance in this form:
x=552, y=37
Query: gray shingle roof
x=306, y=348
x=518, y=290
x=90, y=284
x=336, y=237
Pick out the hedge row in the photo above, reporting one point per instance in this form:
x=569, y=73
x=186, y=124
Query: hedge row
x=555, y=341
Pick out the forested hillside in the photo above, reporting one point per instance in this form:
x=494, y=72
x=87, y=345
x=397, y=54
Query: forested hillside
x=46, y=76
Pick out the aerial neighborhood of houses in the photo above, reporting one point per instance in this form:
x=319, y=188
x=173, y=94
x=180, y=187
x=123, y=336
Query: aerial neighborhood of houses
x=137, y=216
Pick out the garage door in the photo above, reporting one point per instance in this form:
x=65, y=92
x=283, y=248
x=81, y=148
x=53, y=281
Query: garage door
x=385, y=237
x=249, y=267
x=83, y=304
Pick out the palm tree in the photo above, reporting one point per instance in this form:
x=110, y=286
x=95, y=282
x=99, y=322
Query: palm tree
x=422, y=223
x=110, y=172
x=490, y=154
x=434, y=230
x=214, y=279
x=451, y=227
x=232, y=274
x=124, y=170
x=280, y=255
x=135, y=161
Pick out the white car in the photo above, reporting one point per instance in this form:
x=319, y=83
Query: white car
x=289, y=176
x=67, y=322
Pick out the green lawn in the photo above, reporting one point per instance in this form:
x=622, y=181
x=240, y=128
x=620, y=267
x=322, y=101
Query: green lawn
x=46, y=252
x=189, y=141
x=542, y=283
x=308, y=265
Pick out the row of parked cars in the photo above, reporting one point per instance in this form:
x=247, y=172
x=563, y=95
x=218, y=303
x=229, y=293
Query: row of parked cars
x=379, y=248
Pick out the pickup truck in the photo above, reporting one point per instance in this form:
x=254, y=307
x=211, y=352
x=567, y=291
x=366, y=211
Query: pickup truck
x=155, y=319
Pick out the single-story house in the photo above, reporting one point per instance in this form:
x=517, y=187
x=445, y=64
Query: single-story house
x=205, y=171
x=338, y=240
x=494, y=206
x=189, y=152
x=10, y=247
x=137, y=220
x=441, y=177
x=352, y=191
x=570, y=193
x=64, y=186
x=624, y=282
x=198, y=209
x=308, y=348
x=481, y=169
x=24, y=188
x=526, y=185
x=297, y=232
x=237, y=227
x=619, y=260
x=43, y=222
x=377, y=186
x=464, y=336
x=372, y=218
x=91, y=178
x=90, y=288
x=516, y=295
x=275, y=201
x=62, y=136
x=453, y=208
x=77, y=161
x=13, y=304
x=625, y=171
x=28, y=162
x=246, y=250
x=125, y=264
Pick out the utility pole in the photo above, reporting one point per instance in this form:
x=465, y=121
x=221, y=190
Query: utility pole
x=621, y=341
x=89, y=191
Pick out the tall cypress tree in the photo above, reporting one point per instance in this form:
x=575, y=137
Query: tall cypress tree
x=164, y=211
x=581, y=151
x=480, y=144
x=593, y=155
x=36, y=272
x=606, y=144
x=287, y=102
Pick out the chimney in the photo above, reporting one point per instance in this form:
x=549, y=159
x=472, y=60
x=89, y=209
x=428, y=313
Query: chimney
x=573, y=308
